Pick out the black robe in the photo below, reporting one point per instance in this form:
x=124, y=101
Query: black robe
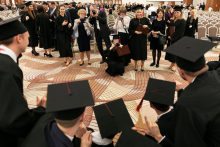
x=30, y=25
x=138, y=42
x=197, y=112
x=177, y=35
x=116, y=64
x=23, y=17
x=43, y=26
x=46, y=134
x=63, y=37
x=191, y=28
x=16, y=119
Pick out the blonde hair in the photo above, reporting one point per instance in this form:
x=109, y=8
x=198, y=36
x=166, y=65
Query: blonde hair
x=139, y=10
x=194, y=14
x=181, y=16
x=82, y=11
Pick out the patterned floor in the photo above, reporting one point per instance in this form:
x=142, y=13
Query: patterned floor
x=40, y=71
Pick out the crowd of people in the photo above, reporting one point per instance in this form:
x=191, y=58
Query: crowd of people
x=58, y=119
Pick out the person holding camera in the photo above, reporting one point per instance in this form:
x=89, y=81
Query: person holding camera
x=63, y=32
x=158, y=27
x=101, y=29
x=122, y=25
x=82, y=33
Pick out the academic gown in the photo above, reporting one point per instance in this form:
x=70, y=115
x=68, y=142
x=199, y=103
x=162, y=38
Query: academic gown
x=177, y=35
x=23, y=17
x=191, y=27
x=166, y=126
x=16, y=119
x=116, y=64
x=197, y=112
x=46, y=134
x=30, y=25
x=138, y=42
x=63, y=37
x=43, y=26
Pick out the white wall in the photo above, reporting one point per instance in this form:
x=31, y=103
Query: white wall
x=195, y=2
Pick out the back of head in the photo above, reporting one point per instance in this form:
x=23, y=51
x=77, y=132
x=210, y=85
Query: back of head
x=151, y=4
x=161, y=107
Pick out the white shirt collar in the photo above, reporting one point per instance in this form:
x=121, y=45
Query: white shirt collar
x=193, y=80
x=163, y=113
x=8, y=52
x=71, y=138
x=97, y=139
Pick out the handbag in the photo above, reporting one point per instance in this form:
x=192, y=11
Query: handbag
x=162, y=39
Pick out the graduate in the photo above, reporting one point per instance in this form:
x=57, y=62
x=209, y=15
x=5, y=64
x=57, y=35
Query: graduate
x=138, y=41
x=15, y=116
x=197, y=111
x=22, y=13
x=160, y=94
x=30, y=25
x=116, y=64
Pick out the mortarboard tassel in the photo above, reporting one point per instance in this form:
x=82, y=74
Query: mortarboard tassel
x=68, y=89
x=109, y=110
x=140, y=104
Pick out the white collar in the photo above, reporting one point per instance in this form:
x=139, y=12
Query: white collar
x=97, y=139
x=71, y=138
x=8, y=52
x=163, y=113
x=193, y=80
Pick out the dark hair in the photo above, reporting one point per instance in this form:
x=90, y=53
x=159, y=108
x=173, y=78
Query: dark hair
x=52, y=3
x=45, y=3
x=58, y=12
x=40, y=9
x=160, y=10
x=58, y=3
x=161, y=107
x=7, y=41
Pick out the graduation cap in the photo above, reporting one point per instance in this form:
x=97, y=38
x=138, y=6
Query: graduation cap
x=131, y=138
x=153, y=14
x=190, y=52
x=178, y=8
x=11, y=27
x=67, y=101
x=138, y=7
x=28, y=3
x=111, y=117
x=115, y=36
x=159, y=91
x=74, y=3
x=21, y=6
x=66, y=4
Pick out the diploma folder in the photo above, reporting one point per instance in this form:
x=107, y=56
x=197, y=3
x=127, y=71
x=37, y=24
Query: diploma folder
x=143, y=30
x=123, y=51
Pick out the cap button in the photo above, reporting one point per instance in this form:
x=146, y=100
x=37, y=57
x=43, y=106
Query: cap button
x=188, y=47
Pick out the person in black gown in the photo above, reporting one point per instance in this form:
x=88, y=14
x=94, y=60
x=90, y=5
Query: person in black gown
x=15, y=116
x=43, y=30
x=82, y=33
x=191, y=24
x=138, y=41
x=64, y=32
x=179, y=24
x=158, y=26
x=30, y=24
x=116, y=64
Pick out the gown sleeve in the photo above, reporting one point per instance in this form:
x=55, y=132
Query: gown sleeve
x=131, y=29
x=58, y=24
x=16, y=118
x=37, y=23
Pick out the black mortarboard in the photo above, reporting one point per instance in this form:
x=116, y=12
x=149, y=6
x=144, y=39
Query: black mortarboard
x=67, y=101
x=131, y=138
x=11, y=27
x=21, y=6
x=115, y=36
x=159, y=91
x=111, y=117
x=28, y=3
x=74, y=3
x=178, y=8
x=190, y=52
x=66, y=4
x=138, y=7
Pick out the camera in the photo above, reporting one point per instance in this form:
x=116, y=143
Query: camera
x=93, y=12
x=82, y=20
x=117, y=45
x=120, y=18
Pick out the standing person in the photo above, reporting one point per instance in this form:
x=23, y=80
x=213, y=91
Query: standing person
x=53, y=16
x=46, y=8
x=191, y=24
x=43, y=29
x=179, y=23
x=122, y=25
x=138, y=43
x=15, y=117
x=151, y=9
x=128, y=8
x=102, y=31
x=30, y=24
x=158, y=27
x=82, y=33
x=168, y=15
x=203, y=6
x=102, y=8
x=110, y=10
x=63, y=32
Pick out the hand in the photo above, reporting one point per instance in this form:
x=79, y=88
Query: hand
x=81, y=130
x=138, y=32
x=79, y=21
x=50, y=20
x=169, y=37
x=179, y=85
x=64, y=23
x=69, y=25
x=27, y=17
x=86, y=22
x=168, y=21
x=158, y=32
x=196, y=33
x=42, y=102
x=86, y=139
x=144, y=26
